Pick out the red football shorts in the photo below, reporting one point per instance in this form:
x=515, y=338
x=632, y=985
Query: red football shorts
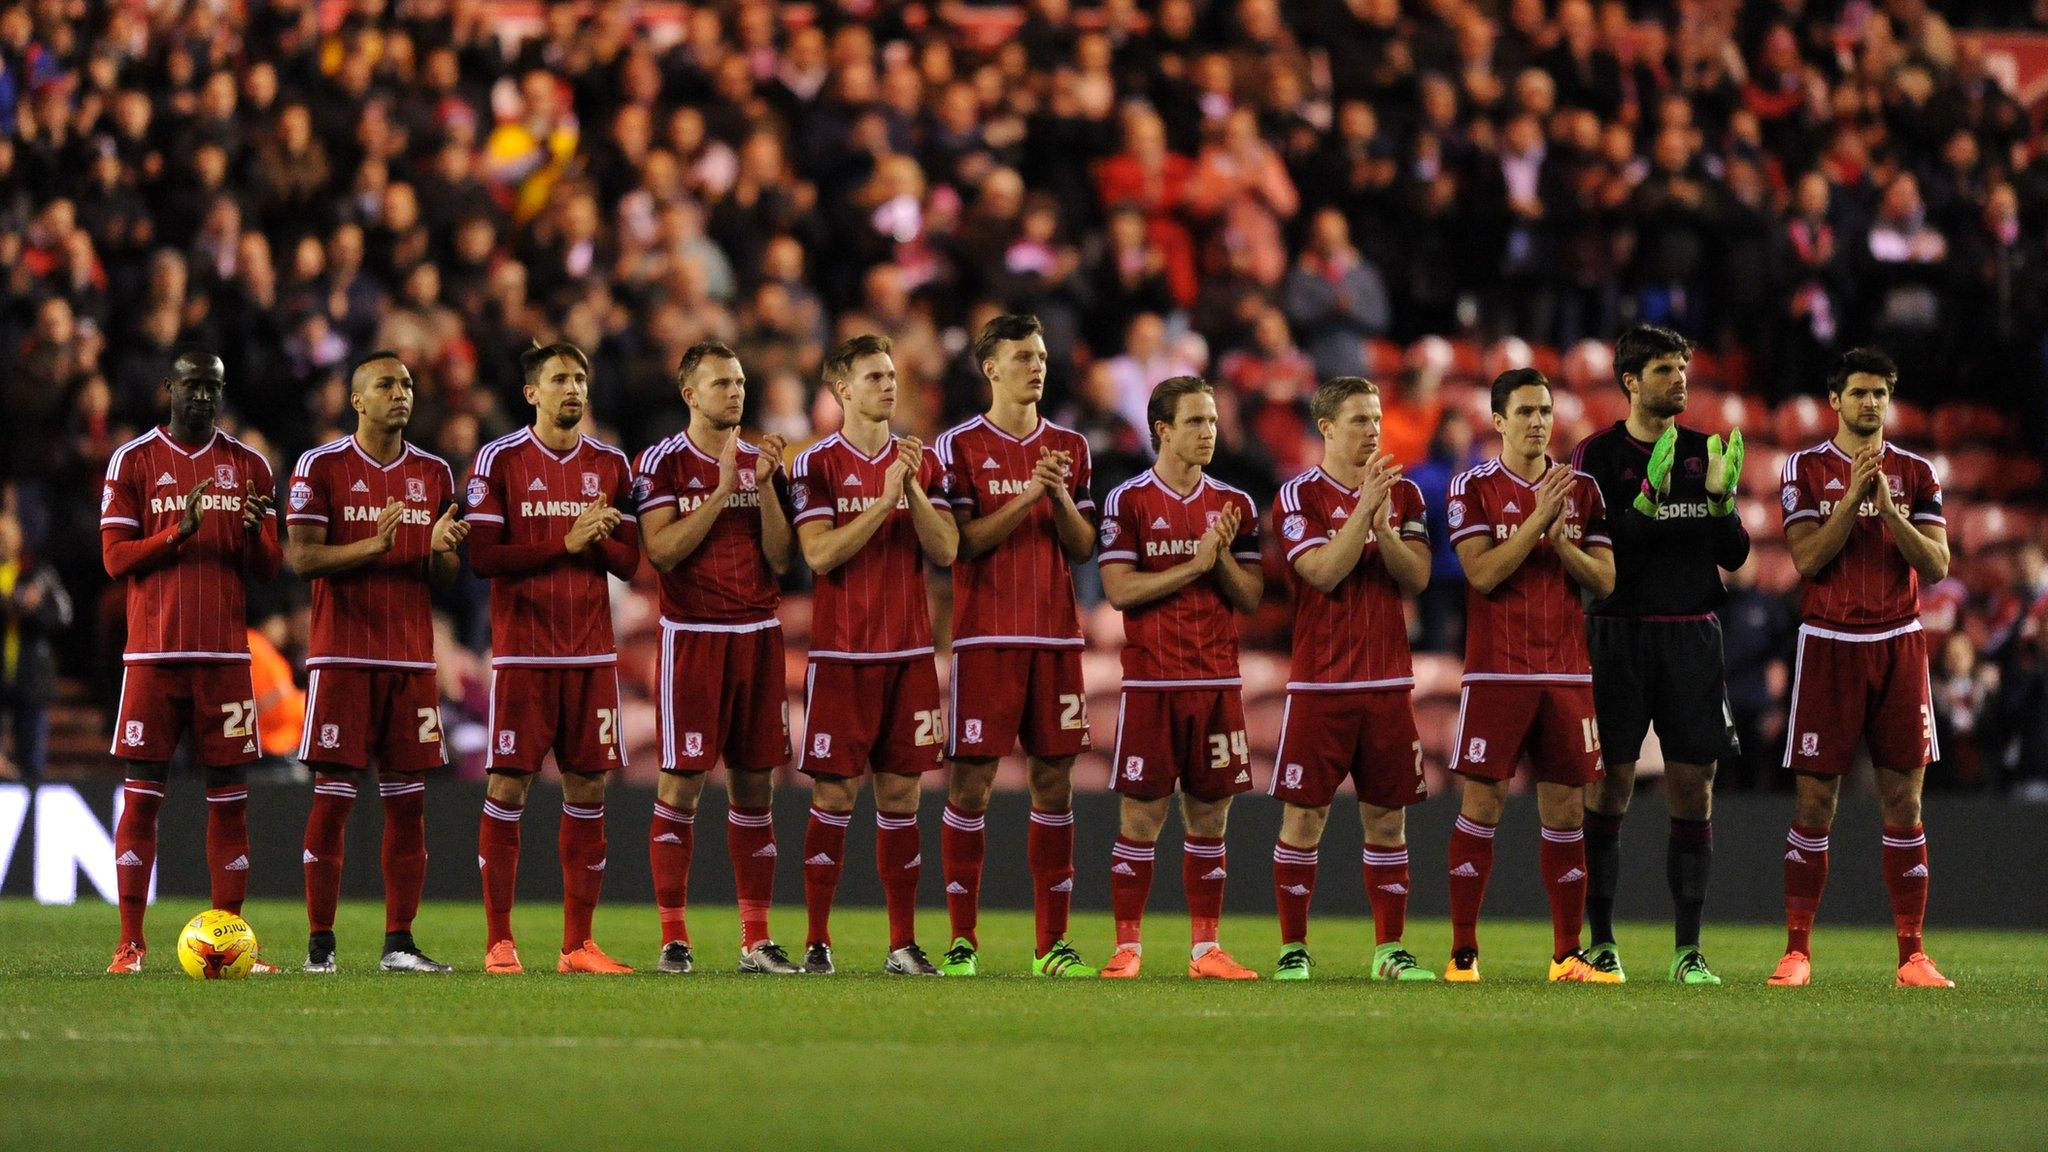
x=1368, y=737
x=1848, y=688
x=1002, y=695
x=1498, y=720
x=722, y=695
x=573, y=711
x=1193, y=737
x=352, y=714
x=159, y=701
x=882, y=716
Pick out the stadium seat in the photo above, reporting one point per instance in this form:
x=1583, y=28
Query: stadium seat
x=1957, y=424
x=1979, y=528
x=1734, y=410
x=1907, y=422
x=1760, y=517
x=1803, y=421
x=1382, y=362
x=1775, y=571
x=1969, y=472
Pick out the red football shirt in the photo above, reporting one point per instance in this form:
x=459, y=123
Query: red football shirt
x=1355, y=636
x=1021, y=593
x=873, y=607
x=1531, y=627
x=1188, y=639
x=727, y=579
x=186, y=601
x=1868, y=586
x=549, y=607
x=378, y=615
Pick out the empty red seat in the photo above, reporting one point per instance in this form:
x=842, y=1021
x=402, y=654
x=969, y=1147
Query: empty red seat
x=1803, y=422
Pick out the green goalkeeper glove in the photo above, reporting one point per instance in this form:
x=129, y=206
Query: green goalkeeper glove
x=1657, y=477
x=1724, y=472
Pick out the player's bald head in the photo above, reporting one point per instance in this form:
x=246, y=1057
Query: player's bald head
x=195, y=364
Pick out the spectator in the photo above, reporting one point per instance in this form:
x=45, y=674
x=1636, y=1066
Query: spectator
x=1440, y=608
x=35, y=607
x=1335, y=299
x=1272, y=381
x=1147, y=359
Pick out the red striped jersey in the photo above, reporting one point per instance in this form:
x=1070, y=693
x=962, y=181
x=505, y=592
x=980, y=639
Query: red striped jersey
x=379, y=614
x=1868, y=586
x=1531, y=626
x=727, y=579
x=519, y=493
x=873, y=607
x=186, y=602
x=1355, y=636
x=1020, y=593
x=1187, y=639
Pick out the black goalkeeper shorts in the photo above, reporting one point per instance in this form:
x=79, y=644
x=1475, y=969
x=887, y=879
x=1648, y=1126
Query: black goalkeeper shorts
x=1662, y=672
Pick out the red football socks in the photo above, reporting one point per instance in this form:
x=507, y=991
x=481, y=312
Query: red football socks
x=135, y=852
x=900, y=863
x=1386, y=885
x=671, y=839
x=1294, y=885
x=1203, y=868
x=333, y=796
x=750, y=842
x=1806, y=873
x=1130, y=882
x=1563, y=862
x=405, y=850
x=582, y=849
x=227, y=845
x=497, y=853
x=1471, y=864
x=824, y=856
x=1905, y=874
x=1050, y=846
x=963, y=843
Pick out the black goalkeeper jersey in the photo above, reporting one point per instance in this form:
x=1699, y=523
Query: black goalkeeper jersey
x=1669, y=566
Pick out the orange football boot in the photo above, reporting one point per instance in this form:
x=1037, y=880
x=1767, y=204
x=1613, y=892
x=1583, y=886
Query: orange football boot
x=590, y=958
x=1216, y=964
x=1796, y=971
x=1919, y=972
x=128, y=959
x=503, y=959
x=1124, y=965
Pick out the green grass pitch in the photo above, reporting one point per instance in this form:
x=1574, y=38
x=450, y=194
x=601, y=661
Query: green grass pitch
x=364, y=1060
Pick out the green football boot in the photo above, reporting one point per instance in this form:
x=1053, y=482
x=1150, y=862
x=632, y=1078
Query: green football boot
x=960, y=959
x=1391, y=961
x=1061, y=960
x=1294, y=963
x=1689, y=966
x=1606, y=957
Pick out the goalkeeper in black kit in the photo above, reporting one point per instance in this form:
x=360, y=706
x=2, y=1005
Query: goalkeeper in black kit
x=1656, y=641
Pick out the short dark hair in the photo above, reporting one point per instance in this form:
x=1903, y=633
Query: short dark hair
x=1867, y=360
x=1165, y=401
x=1504, y=386
x=698, y=353
x=1642, y=344
x=195, y=355
x=839, y=362
x=538, y=354
x=1332, y=395
x=369, y=358
x=1009, y=326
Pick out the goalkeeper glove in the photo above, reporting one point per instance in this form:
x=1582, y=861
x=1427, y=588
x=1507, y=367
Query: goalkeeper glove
x=1657, y=477
x=1724, y=472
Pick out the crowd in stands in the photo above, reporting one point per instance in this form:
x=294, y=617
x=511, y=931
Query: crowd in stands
x=1268, y=192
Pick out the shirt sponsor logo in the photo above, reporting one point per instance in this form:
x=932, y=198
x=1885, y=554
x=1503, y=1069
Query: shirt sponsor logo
x=175, y=505
x=1171, y=547
x=357, y=513
x=737, y=500
x=570, y=508
x=1680, y=510
x=1007, y=487
x=855, y=505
